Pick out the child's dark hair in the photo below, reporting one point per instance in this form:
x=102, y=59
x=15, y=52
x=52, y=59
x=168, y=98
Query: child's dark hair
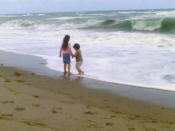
x=76, y=46
x=65, y=42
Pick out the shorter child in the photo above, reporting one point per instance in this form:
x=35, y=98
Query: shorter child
x=79, y=59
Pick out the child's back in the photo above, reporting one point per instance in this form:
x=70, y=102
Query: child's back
x=67, y=52
x=78, y=56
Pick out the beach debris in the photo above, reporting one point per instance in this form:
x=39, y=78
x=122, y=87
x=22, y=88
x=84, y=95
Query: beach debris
x=35, y=96
x=163, y=108
x=21, y=81
x=7, y=114
x=131, y=129
x=4, y=102
x=32, y=73
x=33, y=123
x=5, y=118
x=19, y=108
x=17, y=74
x=105, y=100
x=154, y=121
x=54, y=111
x=8, y=80
x=109, y=124
x=89, y=113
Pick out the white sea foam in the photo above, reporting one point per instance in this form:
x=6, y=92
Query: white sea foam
x=166, y=13
x=149, y=25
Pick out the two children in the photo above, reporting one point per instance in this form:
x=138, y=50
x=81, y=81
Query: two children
x=67, y=53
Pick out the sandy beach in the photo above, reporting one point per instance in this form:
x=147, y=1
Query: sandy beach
x=42, y=103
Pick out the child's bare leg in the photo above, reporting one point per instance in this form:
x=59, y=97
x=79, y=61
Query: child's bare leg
x=79, y=71
x=69, y=66
x=65, y=66
x=82, y=72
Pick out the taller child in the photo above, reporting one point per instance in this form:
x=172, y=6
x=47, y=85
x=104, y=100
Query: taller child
x=67, y=53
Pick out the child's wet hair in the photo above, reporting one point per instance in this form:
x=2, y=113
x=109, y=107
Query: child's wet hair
x=65, y=42
x=76, y=46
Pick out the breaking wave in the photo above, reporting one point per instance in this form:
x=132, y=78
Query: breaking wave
x=165, y=25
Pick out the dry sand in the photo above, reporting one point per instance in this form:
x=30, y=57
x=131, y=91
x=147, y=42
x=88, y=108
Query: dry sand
x=30, y=102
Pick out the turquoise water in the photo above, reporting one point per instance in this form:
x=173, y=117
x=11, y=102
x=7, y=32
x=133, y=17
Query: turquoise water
x=131, y=47
x=132, y=21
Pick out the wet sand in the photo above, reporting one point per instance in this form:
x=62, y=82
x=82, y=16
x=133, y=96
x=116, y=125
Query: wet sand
x=39, y=103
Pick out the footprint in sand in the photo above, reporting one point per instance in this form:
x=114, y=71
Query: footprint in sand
x=7, y=115
x=36, y=105
x=19, y=108
x=35, y=96
x=90, y=113
x=105, y=100
x=33, y=123
x=109, y=124
x=21, y=81
x=5, y=102
x=56, y=110
x=131, y=129
x=7, y=80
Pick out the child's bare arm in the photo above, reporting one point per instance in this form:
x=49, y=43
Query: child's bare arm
x=74, y=55
x=61, y=51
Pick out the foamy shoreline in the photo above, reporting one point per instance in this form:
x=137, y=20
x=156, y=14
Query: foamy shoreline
x=38, y=65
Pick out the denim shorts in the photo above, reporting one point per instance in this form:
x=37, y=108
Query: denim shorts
x=66, y=58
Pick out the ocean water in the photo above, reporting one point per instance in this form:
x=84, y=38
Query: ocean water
x=130, y=47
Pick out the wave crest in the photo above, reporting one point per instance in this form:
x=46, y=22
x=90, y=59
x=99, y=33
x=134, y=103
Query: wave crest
x=25, y=24
x=164, y=25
